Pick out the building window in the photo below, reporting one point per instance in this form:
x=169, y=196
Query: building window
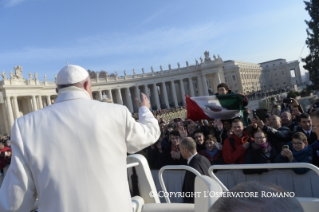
x=234, y=78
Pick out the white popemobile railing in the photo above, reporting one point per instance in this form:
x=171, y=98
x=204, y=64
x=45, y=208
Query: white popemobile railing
x=183, y=167
x=308, y=204
x=259, y=166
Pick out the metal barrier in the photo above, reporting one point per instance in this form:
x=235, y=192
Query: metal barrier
x=160, y=176
x=259, y=166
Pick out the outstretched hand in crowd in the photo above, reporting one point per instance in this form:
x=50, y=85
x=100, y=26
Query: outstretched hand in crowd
x=259, y=122
x=254, y=122
x=182, y=132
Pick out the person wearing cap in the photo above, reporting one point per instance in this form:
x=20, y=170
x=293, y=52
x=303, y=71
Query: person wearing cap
x=72, y=155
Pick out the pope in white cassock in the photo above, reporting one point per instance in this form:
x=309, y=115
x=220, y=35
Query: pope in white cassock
x=72, y=154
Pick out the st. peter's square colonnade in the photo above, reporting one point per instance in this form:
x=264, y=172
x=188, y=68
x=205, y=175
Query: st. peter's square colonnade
x=165, y=88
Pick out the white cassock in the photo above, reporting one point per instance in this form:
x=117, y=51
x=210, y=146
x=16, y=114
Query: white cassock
x=72, y=155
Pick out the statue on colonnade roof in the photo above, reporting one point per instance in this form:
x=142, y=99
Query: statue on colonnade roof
x=18, y=72
x=207, y=58
x=4, y=76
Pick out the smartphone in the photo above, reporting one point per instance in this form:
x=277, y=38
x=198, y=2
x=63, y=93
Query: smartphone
x=255, y=114
x=261, y=114
x=174, y=148
x=285, y=147
x=287, y=100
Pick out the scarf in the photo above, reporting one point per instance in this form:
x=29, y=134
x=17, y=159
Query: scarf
x=294, y=152
x=73, y=88
x=212, y=153
x=263, y=148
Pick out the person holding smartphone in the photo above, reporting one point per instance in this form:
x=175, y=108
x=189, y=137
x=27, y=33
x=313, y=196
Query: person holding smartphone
x=261, y=151
x=277, y=134
x=296, y=151
x=171, y=154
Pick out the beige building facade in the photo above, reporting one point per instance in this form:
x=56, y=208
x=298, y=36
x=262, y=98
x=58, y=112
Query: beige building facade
x=165, y=88
x=247, y=77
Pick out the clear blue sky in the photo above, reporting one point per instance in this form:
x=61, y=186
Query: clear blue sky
x=42, y=35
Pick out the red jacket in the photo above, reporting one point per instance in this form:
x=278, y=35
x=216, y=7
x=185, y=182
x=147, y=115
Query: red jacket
x=4, y=160
x=238, y=155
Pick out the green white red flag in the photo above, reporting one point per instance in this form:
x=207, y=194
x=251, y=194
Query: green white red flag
x=213, y=107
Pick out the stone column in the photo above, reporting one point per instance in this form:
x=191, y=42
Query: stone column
x=205, y=88
x=164, y=92
x=137, y=94
x=199, y=86
x=16, y=107
x=99, y=93
x=40, y=102
x=191, y=87
x=217, y=75
x=129, y=100
x=174, y=93
x=34, y=103
x=119, y=96
x=5, y=118
x=156, y=97
x=215, y=83
x=109, y=94
x=48, y=100
x=9, y=112
x=147, y=95
x=181, y=83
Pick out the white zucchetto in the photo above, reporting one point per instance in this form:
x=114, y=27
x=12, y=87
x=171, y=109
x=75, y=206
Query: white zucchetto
x=71, y=74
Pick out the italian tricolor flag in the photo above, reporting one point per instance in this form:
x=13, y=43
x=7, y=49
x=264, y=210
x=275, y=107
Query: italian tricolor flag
x=213, y=107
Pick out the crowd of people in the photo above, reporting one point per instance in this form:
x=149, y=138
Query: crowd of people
x=284, y=136
x=5, y=152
